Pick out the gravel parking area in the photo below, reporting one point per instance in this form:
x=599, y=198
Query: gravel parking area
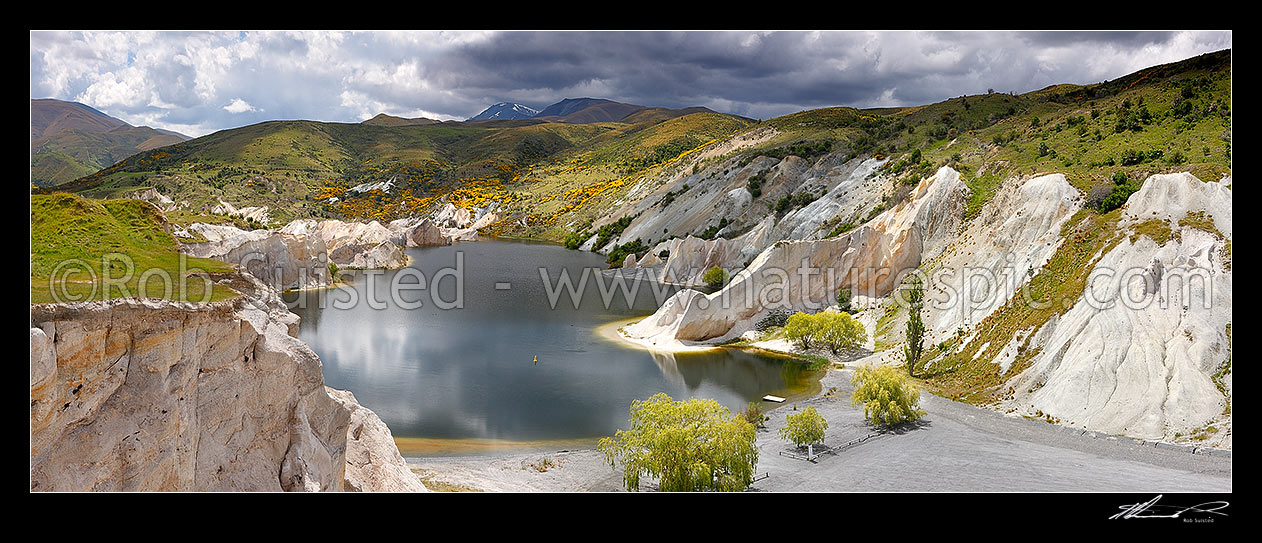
x=955, y=447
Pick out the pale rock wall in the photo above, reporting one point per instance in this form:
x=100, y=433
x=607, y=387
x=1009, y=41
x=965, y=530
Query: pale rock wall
x=279, y=259
x=796, y=274
x=419, y=233
x=1143, y=366
x=373, y=462
x=1016, y=232
x=356, y=244
x=131, y=395
x=250, y=212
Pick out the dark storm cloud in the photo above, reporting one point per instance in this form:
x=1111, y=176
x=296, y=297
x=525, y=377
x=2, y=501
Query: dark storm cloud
x=1130, y=39
x=768, y=74
x=200, y=82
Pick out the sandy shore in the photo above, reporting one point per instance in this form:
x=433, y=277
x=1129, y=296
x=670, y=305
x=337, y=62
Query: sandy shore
x=613, y=332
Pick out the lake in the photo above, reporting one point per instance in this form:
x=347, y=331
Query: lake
x=507, y=370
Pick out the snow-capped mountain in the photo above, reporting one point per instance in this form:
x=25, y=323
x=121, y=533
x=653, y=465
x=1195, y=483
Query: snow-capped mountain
x=505, y=111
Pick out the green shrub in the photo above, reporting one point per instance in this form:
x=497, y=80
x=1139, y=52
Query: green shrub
x=619, y=252
x=576, y=238
x=843, y=300
x=753, y=414
x=715, y=277
x=774, y=318
x=837, y=331
x=799, y=328
x=1122, y=190
x=608, y=232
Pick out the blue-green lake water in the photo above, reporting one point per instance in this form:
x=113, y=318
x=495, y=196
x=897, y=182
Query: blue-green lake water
x=470, y=373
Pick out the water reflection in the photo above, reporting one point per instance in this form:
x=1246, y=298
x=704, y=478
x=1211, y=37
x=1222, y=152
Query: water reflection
x=470, y=372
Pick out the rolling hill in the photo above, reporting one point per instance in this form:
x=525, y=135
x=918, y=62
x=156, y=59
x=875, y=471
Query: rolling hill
x=390, y=120
x=70, y=140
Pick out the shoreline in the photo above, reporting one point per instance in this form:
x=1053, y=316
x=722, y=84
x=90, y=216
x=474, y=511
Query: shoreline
x=613, y=331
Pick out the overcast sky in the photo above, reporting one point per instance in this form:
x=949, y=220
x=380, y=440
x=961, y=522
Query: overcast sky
x=199, y=82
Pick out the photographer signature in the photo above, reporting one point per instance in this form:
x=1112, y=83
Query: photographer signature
x=1150, y=509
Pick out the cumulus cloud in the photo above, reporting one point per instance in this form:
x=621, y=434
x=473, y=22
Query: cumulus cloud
x=199, y=82
x=239, y=106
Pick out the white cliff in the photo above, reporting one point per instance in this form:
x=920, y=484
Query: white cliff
x=132, y=395
x=805, y=275
x=281, y=260
x=1140, y=354
x=356, y=244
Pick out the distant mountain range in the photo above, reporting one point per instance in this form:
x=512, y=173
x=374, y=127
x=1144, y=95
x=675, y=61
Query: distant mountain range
x=584, y=111
x=70, y=140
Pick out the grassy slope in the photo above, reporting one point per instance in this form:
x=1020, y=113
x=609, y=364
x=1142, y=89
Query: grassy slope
x=66, y=228
x=296, y=167
x=72, y=154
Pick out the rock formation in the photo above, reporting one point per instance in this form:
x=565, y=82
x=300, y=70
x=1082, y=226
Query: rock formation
x=356, y=244
x=805, y=275
x=281, y=260
x=373, y=462
x=258, y=213
x=419, y=233
x=140, y=395
x=1146, y=355
x=1013, y=236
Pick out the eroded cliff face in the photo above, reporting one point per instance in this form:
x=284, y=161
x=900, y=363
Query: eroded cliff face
x=373, y=462
x=805, y=275
x=281, y=260
x=355, y=244
x=130, y=395
x=1147, y=351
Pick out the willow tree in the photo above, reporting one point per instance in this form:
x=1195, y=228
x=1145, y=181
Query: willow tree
x=915, y=326
x=886, y=395
x=688, y=446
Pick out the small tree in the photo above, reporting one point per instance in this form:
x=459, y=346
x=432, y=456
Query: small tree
x=843, y=300
x=714, y=277
x=805, y=428
x=839, y=331
x=688, y=446
x=886, y=396
x=800, y=329
x=915, y=326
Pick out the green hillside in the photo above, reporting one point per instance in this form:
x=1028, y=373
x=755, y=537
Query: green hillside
x=70, y=140
x=1174, y=117
x=124, y=242
x=296, y=167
